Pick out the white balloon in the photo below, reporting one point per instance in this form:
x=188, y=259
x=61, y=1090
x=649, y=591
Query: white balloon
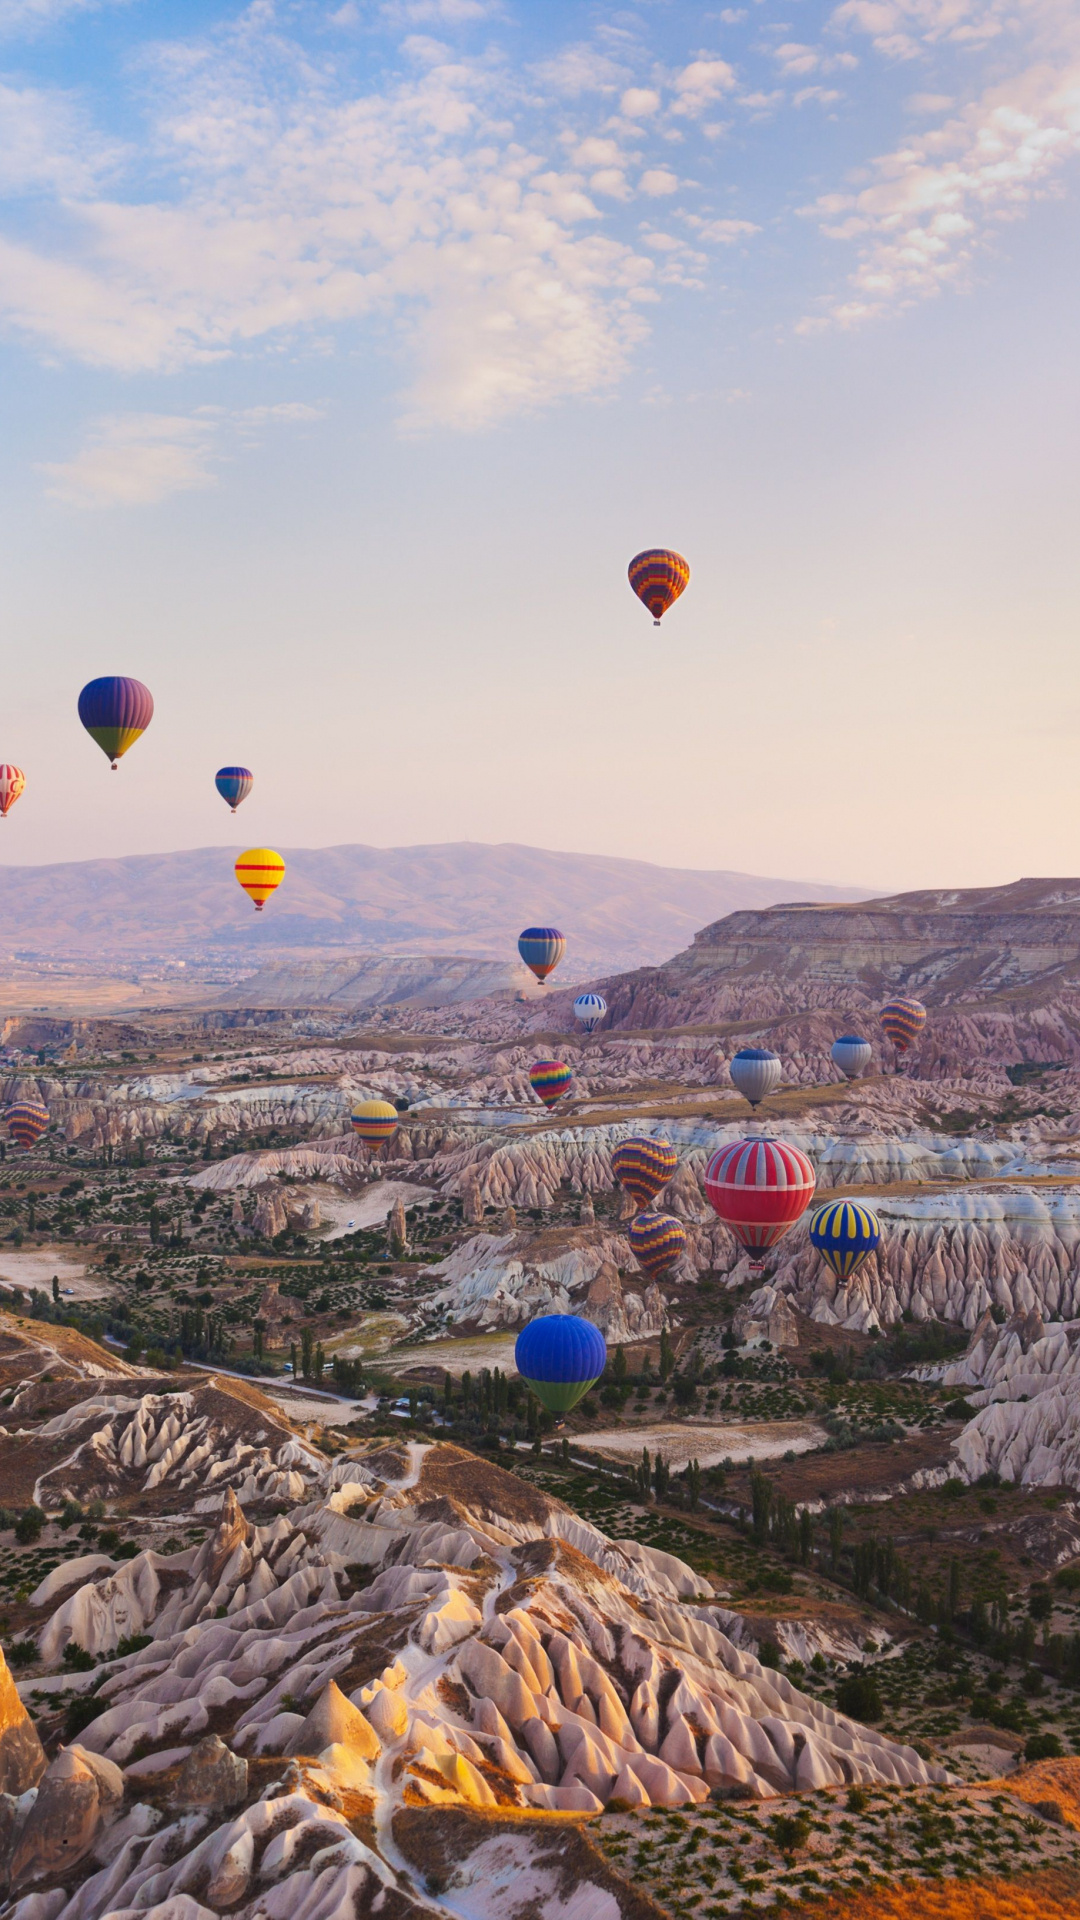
x=851, y=1054
x=590, y=1009
x=756, y=1073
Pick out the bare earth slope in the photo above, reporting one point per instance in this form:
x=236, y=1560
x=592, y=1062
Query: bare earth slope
x=459, y=898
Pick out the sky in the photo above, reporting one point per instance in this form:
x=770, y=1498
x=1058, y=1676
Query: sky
x=348, y=352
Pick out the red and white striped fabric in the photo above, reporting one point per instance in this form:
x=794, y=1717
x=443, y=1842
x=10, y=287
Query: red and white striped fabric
x=759, y=1188
x=12, y=782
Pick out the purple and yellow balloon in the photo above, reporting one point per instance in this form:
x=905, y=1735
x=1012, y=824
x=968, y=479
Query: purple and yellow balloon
x=115, y=711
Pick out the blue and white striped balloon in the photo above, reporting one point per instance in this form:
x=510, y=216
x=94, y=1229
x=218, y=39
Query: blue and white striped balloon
x=756, y=1072
x=590, y=1009
x=851, y=1053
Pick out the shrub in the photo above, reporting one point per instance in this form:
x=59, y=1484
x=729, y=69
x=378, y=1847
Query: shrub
x=22, y=1653
x=28, y=1526
x=769, y=1654
x=958, y=1410
x=1040, y=1603
x=77, y=1658
x=80, y=1713
x=1043, y=1746
x=1069, y=1578
x=858, y=1800
x=1032, y=1683
x=131, y=1644
x=859, y=1697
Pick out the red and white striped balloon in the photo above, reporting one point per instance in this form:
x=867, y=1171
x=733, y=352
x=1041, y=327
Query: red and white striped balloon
x=12, y=782
x=759, y=1188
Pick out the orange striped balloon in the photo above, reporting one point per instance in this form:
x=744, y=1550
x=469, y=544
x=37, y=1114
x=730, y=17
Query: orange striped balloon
x=260, y=871
x=12, y=782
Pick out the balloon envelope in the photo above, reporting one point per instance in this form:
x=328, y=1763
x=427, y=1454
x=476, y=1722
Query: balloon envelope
x=656, y=1242
x=260, y=871
x=234, y=784
x=844, y=1233
x=755, y=1072
x=549, y=1080
x=902, y=1021
x=643, y=1165
x=851, y=1054
x=27, y=1120
x=589, y=1009
x=560, y=1357
x=759, y=1188
x=376, y=1121
x=115, y=711
x=541, y=948
x=12, y=782
x=658, y=576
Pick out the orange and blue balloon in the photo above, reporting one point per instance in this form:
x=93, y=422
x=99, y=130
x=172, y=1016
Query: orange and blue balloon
x=902, y=1021
x=27, y=1120
x=549, y=1080
x=643, y=1165
x=844, y=1233
x=658, y=576
x=560, y=1357
x=541, y=948
x=115, y=711
x=234, y=784
x=657, y=1241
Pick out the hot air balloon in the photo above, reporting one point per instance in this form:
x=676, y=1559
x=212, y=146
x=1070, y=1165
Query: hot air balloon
x=12, y=782
x=656, y=1241
x=541, y=948
x=376, y=1122
x=658, y=576
x=589, y=1009
x=27, y=1120
x=549, y=1080
x=234, y=784
x=844, y=1234
x=851, y=1054
x=260, y=872
x=560, y=1357
x=643, y=1165
x=759, y=1188
x=755, y=1072
x=115, y=711
x=902, y=1022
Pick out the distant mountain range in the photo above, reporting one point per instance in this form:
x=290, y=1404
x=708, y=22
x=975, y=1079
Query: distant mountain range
x=463, y=898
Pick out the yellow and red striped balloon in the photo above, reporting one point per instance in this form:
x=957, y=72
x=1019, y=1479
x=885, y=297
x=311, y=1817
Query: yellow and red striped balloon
x=12, y=782
x=260, y=872
x=549, y=1080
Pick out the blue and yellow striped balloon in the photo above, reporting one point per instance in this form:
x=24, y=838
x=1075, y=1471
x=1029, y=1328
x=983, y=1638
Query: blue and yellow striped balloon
x=844, y=1233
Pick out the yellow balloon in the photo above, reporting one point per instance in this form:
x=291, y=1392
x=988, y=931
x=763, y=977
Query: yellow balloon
x=260, y=870
x=375, y=1121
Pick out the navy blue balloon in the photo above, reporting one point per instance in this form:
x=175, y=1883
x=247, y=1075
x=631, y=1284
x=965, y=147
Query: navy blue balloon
x=561, y=1357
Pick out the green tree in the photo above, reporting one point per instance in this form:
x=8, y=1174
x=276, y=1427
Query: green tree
x=320, y=1362
x=292, y=1356
x=667, y=1357
x=155, y=1224
x=952, y=1604
x=806, y=1536
x=836, y=1537
x=56, y=1288
x=307, y=1347
x=258, y=1329
x=761, y=1494
x=619, y=1368
x=692, y=1476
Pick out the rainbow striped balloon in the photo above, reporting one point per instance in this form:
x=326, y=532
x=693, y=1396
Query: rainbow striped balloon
x=376, y=1122
x=260, y=872
x=27, y=1120
x=541, y=948
x=656, y=1242
x=658, y=576
x=549, y=1080
x=759, y=1188
x=643, y=1165
x=902, y=1021
x=12, y=783
x=844, y=1233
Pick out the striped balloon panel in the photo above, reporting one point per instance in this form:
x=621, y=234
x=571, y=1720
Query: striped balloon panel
x=549, y=1080
x=27, y=1120
x=656, y=1242
x=260, y=870
x=755, y=1072
x=590, y=1009
x=759, y=1188
x=844, y=1233
x=852, y=1054
x=234, y=784
x=643, y=1165
x=541, y=948
x=375, y=1121
x=560, y=1357
x=902, y=1021
x=115, y=711
x=12, y=782
x=658, y=576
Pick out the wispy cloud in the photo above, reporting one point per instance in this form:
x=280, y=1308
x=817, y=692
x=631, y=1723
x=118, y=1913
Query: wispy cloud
x=139, y=459
x=24, y=18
